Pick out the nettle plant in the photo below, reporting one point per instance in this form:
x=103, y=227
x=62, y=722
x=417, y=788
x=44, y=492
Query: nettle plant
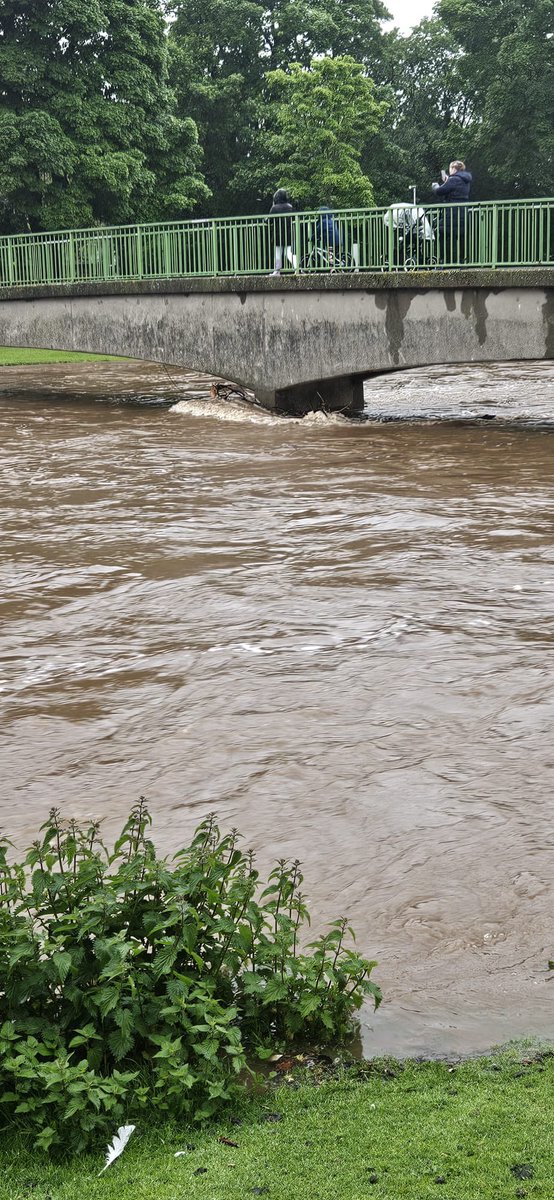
x=132, y=984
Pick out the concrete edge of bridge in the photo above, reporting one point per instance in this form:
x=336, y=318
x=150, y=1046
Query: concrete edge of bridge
x=355, y=281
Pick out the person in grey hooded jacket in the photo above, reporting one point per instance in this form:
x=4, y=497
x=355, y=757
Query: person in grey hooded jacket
x=453, y=191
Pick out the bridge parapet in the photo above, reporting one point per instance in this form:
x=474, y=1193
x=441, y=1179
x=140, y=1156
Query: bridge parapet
x=402, y=237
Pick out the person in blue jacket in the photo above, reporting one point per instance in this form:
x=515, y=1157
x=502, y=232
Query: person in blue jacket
x=453, y=191
x=327, y=230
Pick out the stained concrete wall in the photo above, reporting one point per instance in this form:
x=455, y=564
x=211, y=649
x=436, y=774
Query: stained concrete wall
x=277, y=336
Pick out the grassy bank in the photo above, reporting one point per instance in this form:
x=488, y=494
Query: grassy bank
x=479, y=1131
x=13, y=357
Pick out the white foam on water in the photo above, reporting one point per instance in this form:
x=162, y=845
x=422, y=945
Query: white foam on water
x=219, y=410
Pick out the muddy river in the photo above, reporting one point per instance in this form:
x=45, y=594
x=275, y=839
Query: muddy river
x=338, y=635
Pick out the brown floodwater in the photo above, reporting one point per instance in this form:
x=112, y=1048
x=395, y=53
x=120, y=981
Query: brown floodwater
x=336, y=634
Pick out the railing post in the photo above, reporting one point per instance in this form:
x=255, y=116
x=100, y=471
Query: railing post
x=235, y=250
x=259, y=248
x=167, y=253
x=494, y=237
x=390, y=230
x=10, y=261
x=71, y=257
x=482, y=236
x=297, y=247
x=540, y=235
x=140, y=259
x=105, y=255
x=215, y=255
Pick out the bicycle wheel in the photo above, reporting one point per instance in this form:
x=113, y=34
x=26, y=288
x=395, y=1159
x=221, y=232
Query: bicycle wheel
x=316, y=260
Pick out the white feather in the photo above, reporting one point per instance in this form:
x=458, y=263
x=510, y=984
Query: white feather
x=117, y=1146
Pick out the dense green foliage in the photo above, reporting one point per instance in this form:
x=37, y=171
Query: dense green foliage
x=506, y=60
x=479, y=1131
x=139, y=110
x=321, y=114
x=88, y=129
x=430, y=111
x=224, y=51
x=131, y=985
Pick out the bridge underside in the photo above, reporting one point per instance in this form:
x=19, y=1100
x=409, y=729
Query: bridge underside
x=298, y=343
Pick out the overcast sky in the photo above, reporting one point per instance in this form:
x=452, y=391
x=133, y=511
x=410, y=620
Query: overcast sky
x=407, y=13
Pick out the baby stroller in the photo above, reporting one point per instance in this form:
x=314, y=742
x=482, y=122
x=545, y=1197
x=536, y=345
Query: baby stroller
x=413, y=237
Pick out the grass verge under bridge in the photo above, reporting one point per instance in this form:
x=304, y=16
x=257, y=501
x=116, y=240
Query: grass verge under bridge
x=15, y=357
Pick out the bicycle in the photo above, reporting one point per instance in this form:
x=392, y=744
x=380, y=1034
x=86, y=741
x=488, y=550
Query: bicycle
x=321, y=258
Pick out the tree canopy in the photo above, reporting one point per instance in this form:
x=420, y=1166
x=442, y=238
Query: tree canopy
x=506, y=58
x=317, y=121
x=88, y=127
x=140, y=110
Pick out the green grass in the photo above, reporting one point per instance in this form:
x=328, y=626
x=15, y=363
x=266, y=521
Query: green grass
x=480, y=1131
x=10, y=357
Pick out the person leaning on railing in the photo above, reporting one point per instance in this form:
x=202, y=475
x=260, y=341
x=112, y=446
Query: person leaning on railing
x=453, y=191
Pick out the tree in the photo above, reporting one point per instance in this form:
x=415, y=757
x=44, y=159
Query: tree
x=88, y=129
x=222, y=54
x=430, y=113
x=317, y=122
x=508, y=64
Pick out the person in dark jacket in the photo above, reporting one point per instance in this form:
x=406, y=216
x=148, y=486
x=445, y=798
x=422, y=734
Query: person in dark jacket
x=327, y=231
x=281, y=207
x=453, y=191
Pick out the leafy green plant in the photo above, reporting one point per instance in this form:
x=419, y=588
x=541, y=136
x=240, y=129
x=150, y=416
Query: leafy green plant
x=130, y=983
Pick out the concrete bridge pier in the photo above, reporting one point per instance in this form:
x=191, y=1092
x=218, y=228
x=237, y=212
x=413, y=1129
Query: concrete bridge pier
x=344, y=395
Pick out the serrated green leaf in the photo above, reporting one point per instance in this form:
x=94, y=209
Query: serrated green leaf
x=63, y=963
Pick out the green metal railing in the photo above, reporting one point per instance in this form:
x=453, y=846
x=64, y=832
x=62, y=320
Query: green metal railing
x=401, y=237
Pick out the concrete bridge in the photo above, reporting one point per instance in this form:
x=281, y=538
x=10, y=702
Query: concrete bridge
x=298, y=342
